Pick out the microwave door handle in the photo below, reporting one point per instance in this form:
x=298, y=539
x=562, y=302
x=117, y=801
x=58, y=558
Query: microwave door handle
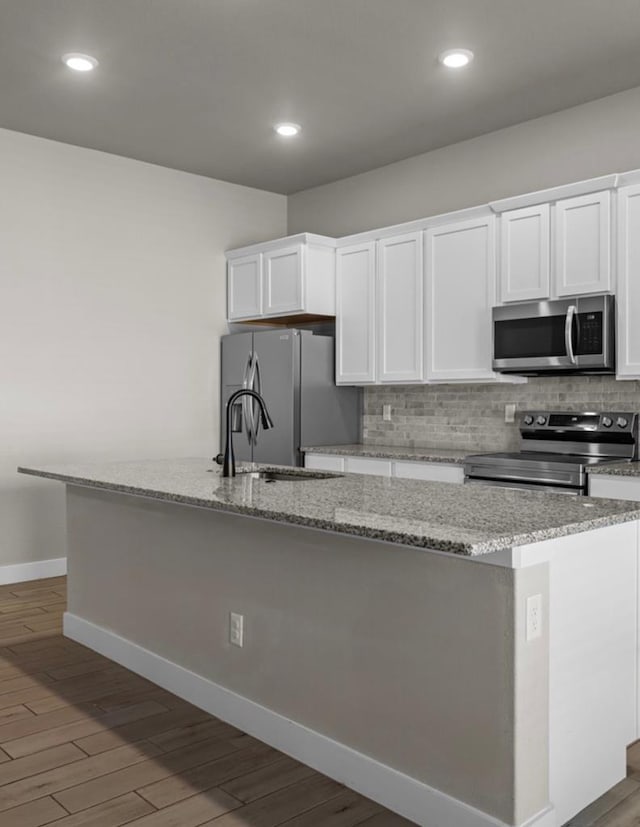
x=568, y=333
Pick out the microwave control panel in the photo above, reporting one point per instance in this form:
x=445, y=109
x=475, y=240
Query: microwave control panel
x=590, y=327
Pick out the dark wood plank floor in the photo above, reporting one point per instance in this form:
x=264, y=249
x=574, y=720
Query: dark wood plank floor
x=86, y=743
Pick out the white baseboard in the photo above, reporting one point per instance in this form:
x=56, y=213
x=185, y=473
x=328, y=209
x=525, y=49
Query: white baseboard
x=21, y=572
x=400, y=793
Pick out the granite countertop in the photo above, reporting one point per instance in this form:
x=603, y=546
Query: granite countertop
x=616, y=469
x=461, y=519
x=448, y=455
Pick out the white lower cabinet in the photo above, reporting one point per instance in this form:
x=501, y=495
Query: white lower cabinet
x=429, y=471
x=461, y=290
x=368, y=465
x=406, y=469
x=324, y=462
x=614, y=488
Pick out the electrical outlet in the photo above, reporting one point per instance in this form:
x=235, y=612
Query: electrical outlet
x=534, y=617
x=236, y=629
x=510, y=412
x=386, y=413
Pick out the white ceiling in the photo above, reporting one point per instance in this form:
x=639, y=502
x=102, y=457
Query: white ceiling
x=198, y=84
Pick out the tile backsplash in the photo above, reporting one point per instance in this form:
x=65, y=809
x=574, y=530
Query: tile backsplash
x=471, y=417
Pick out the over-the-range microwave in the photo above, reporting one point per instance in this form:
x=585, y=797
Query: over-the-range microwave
x=575, y=335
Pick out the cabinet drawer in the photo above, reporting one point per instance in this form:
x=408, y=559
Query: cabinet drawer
x=377, y=467
x=430, y=471
x=324, y=462
x=614, y=488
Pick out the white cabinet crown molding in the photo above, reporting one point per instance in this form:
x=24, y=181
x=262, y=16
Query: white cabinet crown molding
x=308, y=239
x=420, y=224
x=629, y=178
x=530, y=199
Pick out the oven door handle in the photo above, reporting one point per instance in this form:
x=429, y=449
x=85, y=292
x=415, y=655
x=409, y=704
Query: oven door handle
x=568, y=333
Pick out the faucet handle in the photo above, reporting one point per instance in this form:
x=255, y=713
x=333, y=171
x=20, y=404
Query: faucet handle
x=219, y=458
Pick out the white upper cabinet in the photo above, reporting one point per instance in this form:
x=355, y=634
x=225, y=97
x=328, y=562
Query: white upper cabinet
x=244, y=287
x=400, y=317
x=524, y=254
x=290, y=276
x=355, y=314
x=461, y=290
x=284, y=280
x=583, y=244
x=557, y=248
x=628, y=292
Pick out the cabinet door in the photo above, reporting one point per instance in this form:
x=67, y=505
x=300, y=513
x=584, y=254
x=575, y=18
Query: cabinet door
x=583, y=244
x=524, y=254
x=355, y=314
x=461, y=273
x=615, y=488
x=244, y=287
x=324, y=462
x=400, y=309
x=430, y=471
x=284, y=280
x=365, y=465
x=628, y=292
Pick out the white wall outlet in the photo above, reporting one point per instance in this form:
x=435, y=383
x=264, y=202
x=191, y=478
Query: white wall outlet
x=386, y=413
x=534, y=617
x=510, y=412
x=236, y=629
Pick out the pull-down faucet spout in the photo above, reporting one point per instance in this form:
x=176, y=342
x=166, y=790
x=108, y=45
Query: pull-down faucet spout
x=228, y=462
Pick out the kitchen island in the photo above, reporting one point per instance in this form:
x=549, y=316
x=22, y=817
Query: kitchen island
x=466, y=656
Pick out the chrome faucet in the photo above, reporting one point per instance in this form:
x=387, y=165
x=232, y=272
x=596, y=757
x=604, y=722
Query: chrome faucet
x=228, y=460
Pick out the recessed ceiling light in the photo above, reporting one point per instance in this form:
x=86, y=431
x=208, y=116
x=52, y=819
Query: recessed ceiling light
x=456, y=58
x=79, y=62
x=287, y=130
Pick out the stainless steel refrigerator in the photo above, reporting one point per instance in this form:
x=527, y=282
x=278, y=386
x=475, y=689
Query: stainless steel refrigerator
x=294, y=371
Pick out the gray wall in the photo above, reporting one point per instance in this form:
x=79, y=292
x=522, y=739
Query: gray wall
x=471, y=417
x=588, y=140
x=112, y=286
x=407, y=656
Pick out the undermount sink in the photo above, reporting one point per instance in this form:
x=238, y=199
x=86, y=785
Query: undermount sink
x=294, y=476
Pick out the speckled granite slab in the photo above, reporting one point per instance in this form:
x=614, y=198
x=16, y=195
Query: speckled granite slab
x=462, y=519
x=617, y=469
x=445, y=455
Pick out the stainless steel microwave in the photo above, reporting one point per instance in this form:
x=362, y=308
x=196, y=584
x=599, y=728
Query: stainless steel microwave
x=575, y=335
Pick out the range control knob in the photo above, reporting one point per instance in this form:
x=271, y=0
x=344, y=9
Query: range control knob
x=607, y=422
x=528, y=420
x=541, y=420
x=622, y=422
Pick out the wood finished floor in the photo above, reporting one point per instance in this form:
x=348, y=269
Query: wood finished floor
x=86, y=743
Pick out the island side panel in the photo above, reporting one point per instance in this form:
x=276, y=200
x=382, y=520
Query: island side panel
x=404, y=655
x=592, y=616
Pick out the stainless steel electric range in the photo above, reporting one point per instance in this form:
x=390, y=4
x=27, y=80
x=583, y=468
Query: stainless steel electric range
x=557, y=448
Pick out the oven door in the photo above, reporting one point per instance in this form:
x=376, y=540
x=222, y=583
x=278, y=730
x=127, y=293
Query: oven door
x=555, y=336
x=528, y=486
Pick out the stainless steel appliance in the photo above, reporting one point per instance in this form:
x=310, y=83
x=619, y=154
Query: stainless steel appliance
x=569, y=335
x=557, y=449
x=294, y=372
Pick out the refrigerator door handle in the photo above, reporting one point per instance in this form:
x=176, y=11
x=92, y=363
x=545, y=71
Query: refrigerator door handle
x=255, y=385
x=246, y=405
